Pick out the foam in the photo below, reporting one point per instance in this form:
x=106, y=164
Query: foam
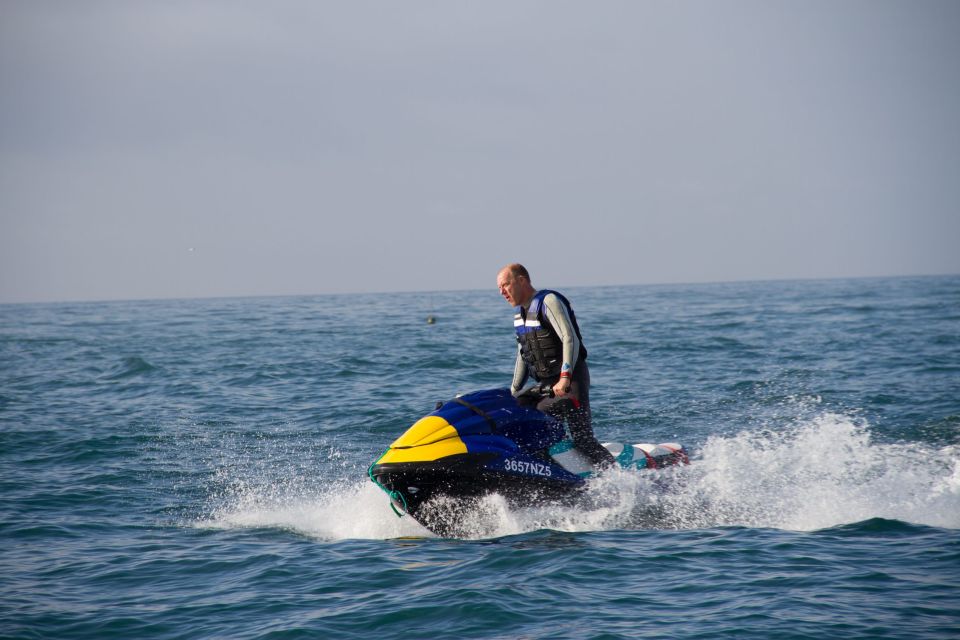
x=820, y=473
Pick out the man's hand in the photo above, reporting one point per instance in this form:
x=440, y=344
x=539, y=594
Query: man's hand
x=562, y=387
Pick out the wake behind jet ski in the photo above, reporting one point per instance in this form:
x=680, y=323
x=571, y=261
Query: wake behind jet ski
x=487, y=442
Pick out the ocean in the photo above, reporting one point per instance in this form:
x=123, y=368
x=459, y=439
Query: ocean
x=197, y=468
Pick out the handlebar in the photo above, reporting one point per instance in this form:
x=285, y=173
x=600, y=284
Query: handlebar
x=536, y=392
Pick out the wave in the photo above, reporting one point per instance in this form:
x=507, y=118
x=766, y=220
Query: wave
x=821, y=474
x=345, y=510
x=129, y=367
x=824, y=473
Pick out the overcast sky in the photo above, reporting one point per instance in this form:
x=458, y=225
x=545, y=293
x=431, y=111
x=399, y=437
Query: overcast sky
x=218, y=148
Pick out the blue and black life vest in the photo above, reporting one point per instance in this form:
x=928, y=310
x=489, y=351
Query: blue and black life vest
x=540, y=346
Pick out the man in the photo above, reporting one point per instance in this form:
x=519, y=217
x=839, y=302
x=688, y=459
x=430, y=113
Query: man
x=551, y=349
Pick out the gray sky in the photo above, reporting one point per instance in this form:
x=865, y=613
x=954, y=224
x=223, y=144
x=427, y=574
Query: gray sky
x=217, y=148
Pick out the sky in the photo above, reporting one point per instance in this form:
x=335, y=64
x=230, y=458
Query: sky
x=201, y=148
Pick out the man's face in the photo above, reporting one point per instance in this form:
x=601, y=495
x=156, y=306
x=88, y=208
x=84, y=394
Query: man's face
x=511, y=287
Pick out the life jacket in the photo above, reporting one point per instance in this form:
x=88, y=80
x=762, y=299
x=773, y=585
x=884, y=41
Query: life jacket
x=540, y=346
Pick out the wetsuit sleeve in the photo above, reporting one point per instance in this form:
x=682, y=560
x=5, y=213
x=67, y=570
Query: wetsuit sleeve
x=519, y=374
x=559, y=319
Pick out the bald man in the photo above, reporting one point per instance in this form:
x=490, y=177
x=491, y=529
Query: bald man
x=550, y=348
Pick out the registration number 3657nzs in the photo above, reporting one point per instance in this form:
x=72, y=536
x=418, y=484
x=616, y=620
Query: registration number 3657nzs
x=525, y=466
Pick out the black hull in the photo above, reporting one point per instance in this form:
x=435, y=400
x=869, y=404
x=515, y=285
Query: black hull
x=438, y=494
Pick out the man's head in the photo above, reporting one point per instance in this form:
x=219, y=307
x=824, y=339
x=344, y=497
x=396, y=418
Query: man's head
x=514, y=284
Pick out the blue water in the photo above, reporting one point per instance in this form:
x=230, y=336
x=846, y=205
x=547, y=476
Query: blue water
x=196, y=468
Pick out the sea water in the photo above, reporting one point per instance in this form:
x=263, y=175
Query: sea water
x=197, y=468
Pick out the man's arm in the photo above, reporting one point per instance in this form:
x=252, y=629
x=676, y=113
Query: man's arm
x=559, y=319
x=519, y=374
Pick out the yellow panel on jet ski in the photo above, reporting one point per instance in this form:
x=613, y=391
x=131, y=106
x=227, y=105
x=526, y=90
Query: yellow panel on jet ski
x=430, y=438
x=426, y=431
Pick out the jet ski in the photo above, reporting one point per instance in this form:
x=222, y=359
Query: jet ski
x=489, y=442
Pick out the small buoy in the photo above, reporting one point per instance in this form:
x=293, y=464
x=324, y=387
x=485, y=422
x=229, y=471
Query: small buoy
x=431, y=320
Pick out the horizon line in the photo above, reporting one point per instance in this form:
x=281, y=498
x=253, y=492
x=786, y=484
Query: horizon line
x=174, y=298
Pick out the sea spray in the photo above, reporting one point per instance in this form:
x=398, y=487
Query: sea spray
x=821, y=473
x=345, y=509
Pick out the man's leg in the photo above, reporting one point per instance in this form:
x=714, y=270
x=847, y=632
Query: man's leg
x=575, y=411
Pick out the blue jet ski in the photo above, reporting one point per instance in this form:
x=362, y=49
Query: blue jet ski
x=487, y=442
